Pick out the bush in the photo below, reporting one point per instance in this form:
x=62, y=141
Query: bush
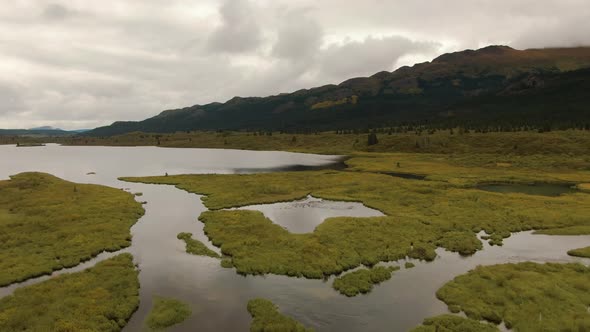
x=167, y=312
x=266, y=317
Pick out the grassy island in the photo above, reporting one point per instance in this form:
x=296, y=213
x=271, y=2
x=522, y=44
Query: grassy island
x=454, y=323
x=167, y=312
x=196, y=247
x=47, y=224
x=525, y=296
x=582, y=252
x=101, y=298
x=363, y=280
x=266, y=317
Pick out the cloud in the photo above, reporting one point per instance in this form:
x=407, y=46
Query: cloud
x=239, y=31
x=55, y=11
x=11, y=100
x=86, y=63
x=553, y=33
x=299, y=36
x=371, y=55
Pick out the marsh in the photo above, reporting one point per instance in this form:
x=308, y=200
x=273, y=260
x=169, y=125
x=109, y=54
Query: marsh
x=218, y=296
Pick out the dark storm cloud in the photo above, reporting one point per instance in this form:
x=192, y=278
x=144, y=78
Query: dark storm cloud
x=87, y=63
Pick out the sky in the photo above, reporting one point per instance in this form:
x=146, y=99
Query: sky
x=81, y=64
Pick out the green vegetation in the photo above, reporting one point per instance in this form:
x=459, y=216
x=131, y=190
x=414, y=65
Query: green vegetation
x=167, y=312
x=48, y=224
x=196, y=247
x=420, y=216
x=450, y=323
x=363, y=280
x=469, y=170
x=101, y=298
x=585, y=187
x=409, y=265
x=582, y=252
x=526, y=296
x=567, y=144
x=227, y=263
x=266, y=317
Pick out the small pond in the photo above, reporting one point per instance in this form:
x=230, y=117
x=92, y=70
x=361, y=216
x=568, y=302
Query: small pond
x=305, y=215
x=542, y=189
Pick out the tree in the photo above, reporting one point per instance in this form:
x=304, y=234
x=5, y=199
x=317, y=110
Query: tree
x=372, y=139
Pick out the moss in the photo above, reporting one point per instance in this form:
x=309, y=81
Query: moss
x=582, y=252
x=266, y=317
x=526, y=296
x=362, y=281
x=454, y=309
x=47, y=224
x=101, y=298
x=453, y=323
x=167, y=312
x=196, y=247
x=227, y=263
x=409, y=265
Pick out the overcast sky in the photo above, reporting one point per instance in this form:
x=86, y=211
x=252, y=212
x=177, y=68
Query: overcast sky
x=80, y=64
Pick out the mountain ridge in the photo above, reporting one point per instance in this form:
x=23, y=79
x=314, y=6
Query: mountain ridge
x=420, y=93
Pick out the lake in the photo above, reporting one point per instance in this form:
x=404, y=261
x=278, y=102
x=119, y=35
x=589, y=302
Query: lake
x=218, y=296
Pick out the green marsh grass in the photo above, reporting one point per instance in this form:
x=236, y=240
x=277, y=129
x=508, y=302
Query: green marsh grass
x=420, y=216
x=47, y=224
x=266, y=317
x=526, y=296
x=582, y=252
x=167, y=312
x=196, y=247
x=362, y=281
x=101, y=298
x=567, y=142
x=452, y=323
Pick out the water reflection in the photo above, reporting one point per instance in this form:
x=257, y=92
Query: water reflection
x=303, y=216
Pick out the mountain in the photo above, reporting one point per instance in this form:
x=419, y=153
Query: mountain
x=40, y=131
x=495, y=85
x=44, y=128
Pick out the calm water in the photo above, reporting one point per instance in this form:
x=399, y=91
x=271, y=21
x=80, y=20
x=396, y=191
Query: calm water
x=305, y=215
x=218, y=296
x=542, y=189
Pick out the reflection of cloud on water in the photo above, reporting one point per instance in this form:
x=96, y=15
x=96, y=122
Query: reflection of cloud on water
x=303, y=216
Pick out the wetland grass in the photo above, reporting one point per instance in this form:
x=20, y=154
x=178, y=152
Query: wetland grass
x=196, y=247
x=449, y=323
x=581, y=252
x=101, y=298
x=420, y=216
x=48, y=224
x=266, y=317
x=167, y=312
x=525, y=296
x=362, y=281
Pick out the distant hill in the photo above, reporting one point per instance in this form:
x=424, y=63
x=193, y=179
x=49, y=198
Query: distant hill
x=40, y=131
x=495, y=85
